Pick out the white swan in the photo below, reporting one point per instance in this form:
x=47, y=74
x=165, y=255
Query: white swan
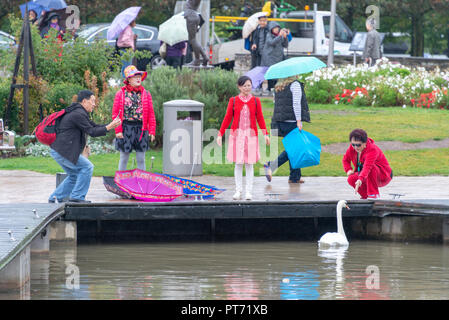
x=336, y=238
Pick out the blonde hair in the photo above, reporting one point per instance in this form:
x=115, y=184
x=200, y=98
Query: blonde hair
x=282, y=83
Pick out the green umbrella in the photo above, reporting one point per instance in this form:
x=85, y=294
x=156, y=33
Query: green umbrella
x=293, y=66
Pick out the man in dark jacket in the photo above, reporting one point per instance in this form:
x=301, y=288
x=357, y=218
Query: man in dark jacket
x=70, y=143
x=372, y=50
x=257, y=39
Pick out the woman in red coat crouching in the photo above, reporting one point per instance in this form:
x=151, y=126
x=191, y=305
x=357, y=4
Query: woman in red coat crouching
x=366, y=165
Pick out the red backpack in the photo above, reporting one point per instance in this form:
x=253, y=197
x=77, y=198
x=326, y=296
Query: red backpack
x=45, y=131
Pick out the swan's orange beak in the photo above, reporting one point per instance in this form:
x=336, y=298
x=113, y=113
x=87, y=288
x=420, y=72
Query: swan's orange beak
x=346, y=206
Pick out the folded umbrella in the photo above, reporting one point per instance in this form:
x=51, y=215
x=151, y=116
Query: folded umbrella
x=303, y=148
x=174, y=30
x=52, y=4
x=251, y=24
x=257, y=75
x=121, y=21
x=293, y=66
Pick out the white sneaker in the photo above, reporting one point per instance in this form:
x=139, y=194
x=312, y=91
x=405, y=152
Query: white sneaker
x=237, y=195
x=248, y=196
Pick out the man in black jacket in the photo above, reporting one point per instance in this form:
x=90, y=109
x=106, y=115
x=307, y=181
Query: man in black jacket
x=257, y=39
x=70, y=143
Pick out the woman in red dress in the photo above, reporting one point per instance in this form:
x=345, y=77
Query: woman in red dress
x=245, y=112
x=366, y=165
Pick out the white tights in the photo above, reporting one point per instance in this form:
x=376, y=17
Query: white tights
x=238, y=174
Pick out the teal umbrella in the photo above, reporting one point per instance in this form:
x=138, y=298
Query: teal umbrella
x=293, y=66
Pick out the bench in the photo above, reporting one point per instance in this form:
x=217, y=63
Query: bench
x=6, y=139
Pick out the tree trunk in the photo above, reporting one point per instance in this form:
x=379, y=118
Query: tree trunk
x=417, y=36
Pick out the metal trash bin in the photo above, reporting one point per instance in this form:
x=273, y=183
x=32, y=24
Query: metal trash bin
x=183, y=138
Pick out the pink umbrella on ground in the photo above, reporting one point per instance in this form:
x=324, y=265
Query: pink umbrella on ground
x=147, y=186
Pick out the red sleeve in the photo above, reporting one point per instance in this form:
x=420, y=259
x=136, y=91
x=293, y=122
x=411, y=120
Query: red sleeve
x=151, y=117
x=347, y=160
x=118, y=108
x=228, y=117
x=370, y=159
x=260, y=118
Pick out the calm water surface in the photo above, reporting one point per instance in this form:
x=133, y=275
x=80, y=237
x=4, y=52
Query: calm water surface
x=253, y=270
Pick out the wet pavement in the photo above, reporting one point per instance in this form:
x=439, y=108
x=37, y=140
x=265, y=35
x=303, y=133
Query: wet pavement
x=31, y=187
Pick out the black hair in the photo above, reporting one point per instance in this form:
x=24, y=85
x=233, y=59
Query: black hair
x=358, y=135
x=242, y=80
x=261, y=17
x=84, y=94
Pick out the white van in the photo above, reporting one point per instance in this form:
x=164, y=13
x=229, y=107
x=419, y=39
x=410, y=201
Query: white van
x=308, y=40
x=305, y=39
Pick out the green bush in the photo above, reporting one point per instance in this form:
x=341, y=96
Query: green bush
x=386, y=96
x=60, y=96
x=5, y=86
x=211, y=87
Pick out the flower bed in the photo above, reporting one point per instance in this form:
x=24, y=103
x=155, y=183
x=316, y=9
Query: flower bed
x=386, y=84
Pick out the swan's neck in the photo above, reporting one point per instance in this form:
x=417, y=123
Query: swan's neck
x=340, y=228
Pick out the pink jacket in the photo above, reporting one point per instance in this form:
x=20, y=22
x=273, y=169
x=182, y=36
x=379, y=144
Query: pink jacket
x=126, y=38
x=148, y=121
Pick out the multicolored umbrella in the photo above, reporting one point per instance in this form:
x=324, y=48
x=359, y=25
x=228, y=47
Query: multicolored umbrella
x=194, y=188
x=174, y=30
x=147, y=186
x=111, y=186
x=121, y=21
x=293, y=66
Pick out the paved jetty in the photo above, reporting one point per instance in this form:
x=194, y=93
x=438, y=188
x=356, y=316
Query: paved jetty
x=31, y=187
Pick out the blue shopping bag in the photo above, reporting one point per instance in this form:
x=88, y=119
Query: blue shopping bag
x=303, y=148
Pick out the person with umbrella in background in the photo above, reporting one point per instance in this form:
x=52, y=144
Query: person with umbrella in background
x=122, y=27
x=53, y=23
x=273, y=50
x=174, y=54
x=290, y=105
x=257, y=40
x=290, y=110
x=126, y=40
x=173, y=35
x=134, y=106
x=32, y=16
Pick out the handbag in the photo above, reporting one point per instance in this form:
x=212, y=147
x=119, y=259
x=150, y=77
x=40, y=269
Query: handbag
x=163, y=50
x=303, y=148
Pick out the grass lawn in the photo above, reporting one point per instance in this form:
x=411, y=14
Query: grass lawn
x=332, y=124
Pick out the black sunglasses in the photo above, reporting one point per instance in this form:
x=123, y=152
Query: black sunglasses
x=356, y=144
